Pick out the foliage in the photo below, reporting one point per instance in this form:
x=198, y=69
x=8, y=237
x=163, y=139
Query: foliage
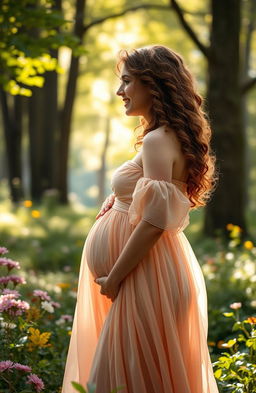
x=29, y=31
x=232, y=267
x=34, y=335
x=236, y=370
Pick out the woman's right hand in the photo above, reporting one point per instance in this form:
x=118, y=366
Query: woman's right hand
x=106, y=205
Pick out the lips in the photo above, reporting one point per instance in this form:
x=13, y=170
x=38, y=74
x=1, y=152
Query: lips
x=126, y=101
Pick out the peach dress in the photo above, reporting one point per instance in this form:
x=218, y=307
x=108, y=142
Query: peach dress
x=153, y=337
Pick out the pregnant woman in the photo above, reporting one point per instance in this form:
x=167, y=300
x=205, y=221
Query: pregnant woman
x=141, y=316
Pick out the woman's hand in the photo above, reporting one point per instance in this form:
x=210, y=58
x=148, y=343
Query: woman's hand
x=108, y=288
x=107, y=204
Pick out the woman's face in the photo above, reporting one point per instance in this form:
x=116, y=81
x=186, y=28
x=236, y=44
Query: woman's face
x=136, y=97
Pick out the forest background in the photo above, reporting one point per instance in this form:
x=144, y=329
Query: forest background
x=63, y=132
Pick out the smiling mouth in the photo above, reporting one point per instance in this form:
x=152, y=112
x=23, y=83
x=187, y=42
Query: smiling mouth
x=126, y=101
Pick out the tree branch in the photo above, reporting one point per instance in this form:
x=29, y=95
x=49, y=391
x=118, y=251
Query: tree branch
x=248, y=85
x=124, y=12
x=136, y=8
x=180, y=13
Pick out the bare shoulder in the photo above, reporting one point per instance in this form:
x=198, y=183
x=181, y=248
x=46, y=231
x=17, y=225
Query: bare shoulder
x=162, y=140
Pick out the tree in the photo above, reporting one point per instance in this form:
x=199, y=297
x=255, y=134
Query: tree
x=24, y=58
x=224, y=102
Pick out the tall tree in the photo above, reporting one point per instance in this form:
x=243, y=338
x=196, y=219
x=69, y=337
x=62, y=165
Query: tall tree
x=224, y=100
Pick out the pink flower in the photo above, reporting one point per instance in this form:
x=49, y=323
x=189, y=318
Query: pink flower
x=5, y=365
x=13, y=292
x=235, y=306
x=3, y=250
x=42, y=294
x=33, y=378
x=9, y=263
x=67, y=317
x=22, y=367
x=14, y=279
x=13, y=307
x=56, y=304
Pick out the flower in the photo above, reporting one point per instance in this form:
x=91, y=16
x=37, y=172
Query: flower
x=38, y=339
x=63, y=285
x=3, y=250
x=56, y=304
x=230, y=227
x=22, y=367
x=8, y=325
x=251, y=320
x=33, y=314
x=36, y=213
x=47, y=306
x=235, y=306
x=253, y=303
x=27, y=203
x=13, y=307
x=9, y=263
x=42, y=294
x=34, y=379
x=248, y=244
x=13, y=292
x=5, y=365
x=63, y=319
x=14, y=279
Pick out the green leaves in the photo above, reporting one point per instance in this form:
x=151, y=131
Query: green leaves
x=239, y=367
x=78, y=387
x=29, y=32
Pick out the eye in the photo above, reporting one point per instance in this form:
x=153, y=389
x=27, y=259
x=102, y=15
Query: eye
x=126, y=81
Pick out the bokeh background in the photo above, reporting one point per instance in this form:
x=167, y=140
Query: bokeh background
x=63, y=131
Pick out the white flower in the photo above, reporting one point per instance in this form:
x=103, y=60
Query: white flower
x=47, y=306
x=8, y=325
x=229, y=256
x=253, y=303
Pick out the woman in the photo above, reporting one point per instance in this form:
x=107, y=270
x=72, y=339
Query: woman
x=141, y=315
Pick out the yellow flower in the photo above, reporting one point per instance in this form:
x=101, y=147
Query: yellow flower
x=229, y=227
x=38, y=339
x=27, y=203
x=248, y=244
x=63, y=285
x=33, y=314
x=36, y=213
x=211, y=343
x=69, y=332
x=251, y=320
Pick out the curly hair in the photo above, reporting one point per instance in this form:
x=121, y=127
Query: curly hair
x=177, y=106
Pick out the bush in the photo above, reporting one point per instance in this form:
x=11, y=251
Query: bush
x=236, y=370
x=34, y=336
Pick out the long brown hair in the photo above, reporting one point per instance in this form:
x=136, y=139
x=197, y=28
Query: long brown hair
x=177, y=106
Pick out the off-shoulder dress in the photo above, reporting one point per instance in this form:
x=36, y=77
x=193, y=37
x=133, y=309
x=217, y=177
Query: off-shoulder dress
x=153, y=337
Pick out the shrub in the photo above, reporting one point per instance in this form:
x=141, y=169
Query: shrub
x=33, y=335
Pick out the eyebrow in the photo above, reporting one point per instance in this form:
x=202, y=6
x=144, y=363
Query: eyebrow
x=125, y=76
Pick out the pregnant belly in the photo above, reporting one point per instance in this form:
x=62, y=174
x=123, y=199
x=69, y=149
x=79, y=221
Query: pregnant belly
x=105, y=242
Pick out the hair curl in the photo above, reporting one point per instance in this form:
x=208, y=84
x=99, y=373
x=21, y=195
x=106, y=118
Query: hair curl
x=177, y=106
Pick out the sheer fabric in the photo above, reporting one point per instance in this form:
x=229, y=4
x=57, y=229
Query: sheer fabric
x=153, y=337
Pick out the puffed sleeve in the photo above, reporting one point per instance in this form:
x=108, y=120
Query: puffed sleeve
x=160, y=203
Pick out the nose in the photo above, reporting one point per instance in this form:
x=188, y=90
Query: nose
x=120, y=91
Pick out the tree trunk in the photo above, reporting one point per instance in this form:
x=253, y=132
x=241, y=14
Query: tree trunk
x=66, y=113
x=12, y=120
x=225, y=110
x=102, y=170
x=36, y=143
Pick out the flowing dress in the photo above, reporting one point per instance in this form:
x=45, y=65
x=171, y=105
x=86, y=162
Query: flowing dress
x=153, y=337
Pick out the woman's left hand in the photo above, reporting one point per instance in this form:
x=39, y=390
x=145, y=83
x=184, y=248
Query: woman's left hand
x=108, y=288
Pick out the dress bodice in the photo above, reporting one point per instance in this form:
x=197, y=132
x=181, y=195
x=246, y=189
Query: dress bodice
x=163, y=204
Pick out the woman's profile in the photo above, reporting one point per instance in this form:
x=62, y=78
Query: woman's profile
x=141, y=315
